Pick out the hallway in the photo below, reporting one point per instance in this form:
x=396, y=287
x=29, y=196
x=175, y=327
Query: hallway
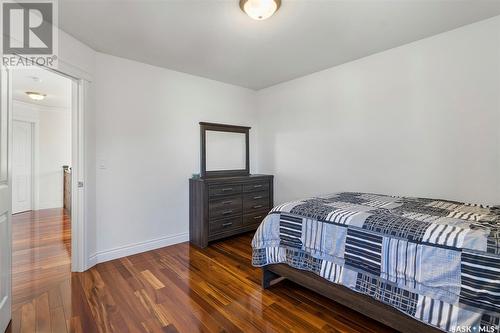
x=41, y=270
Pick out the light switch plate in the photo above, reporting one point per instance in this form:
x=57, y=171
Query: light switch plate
x=102, y=164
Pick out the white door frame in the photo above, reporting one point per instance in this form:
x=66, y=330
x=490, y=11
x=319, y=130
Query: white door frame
x=5, y=194
x=79, y=260
x=34, y=155
x=78, y=230
x=80, y=86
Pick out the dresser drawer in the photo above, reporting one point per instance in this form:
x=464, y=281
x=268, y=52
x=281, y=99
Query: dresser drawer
x=254, y=196
x=255, y=205
x=254, y=218
x=225, y=224
x=223, y=190
x=226, y=206
x=261, y=186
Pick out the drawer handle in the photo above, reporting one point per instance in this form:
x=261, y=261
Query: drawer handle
x=257, y=217
x=258, y=197
x=227, y=224
x=257, y=206
x=227, y=202
x=227, y=189
x=227, y=212
x=257, y=186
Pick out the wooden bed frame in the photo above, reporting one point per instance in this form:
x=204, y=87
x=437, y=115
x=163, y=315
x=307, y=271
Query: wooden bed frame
x=342, y=295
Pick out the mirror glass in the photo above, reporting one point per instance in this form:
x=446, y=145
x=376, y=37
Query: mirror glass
x=225, y=150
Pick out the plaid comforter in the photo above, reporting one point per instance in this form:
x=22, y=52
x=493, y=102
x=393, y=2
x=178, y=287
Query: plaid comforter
x=434, y=260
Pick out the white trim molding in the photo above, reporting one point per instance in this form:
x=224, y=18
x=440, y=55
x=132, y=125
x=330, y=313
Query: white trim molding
x=39, y=107
x=78, y=179
x=139, y=247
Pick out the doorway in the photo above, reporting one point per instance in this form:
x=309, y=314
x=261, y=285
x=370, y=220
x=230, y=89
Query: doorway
x=22, y=166
x=41, y=111
x=74, y=227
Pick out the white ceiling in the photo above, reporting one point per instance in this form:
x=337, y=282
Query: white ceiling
x=215, y=39
x=56, y=87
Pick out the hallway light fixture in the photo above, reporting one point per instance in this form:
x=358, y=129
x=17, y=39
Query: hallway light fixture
x=35, y=95
x=260, y=9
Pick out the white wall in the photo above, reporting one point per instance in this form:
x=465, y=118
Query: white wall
x=55, y=151
x=329, y=131
x=52, y=150
x=422, y=119
x=148, y=146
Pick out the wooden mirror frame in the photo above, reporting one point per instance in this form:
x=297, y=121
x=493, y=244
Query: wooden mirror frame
x=204, y=127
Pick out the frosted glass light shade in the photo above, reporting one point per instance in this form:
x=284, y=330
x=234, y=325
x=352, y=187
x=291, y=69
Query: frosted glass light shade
x=260, y=9
x=35, y=95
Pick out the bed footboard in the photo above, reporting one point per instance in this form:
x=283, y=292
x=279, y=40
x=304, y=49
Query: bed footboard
x=269, y=277
x=366, y=305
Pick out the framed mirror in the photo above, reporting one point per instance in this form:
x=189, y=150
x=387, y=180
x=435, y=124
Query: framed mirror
x=224, y=150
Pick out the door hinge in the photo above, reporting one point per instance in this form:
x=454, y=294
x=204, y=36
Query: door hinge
x=80, y=184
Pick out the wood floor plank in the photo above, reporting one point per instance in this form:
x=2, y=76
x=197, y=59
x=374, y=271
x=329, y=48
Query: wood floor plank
x=58, y=321
x=55, y=300
x=76, y=306
x=28, y=317
x=15, y=325
x=152, y=279
x=75, y=325
x=178, y=288
x=43, y=314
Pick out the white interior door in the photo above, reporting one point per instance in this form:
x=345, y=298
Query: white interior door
x=22, y=166
x=5, y=201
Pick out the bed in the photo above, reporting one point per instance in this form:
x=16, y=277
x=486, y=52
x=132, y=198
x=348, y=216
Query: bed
x=415, y=264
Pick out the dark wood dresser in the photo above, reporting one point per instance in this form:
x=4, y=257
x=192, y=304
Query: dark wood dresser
x=67, y=188
x=227, y=206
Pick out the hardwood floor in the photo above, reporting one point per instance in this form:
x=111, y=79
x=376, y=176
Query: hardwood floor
x=41, y=250
x=41, y=270
x=174, y=289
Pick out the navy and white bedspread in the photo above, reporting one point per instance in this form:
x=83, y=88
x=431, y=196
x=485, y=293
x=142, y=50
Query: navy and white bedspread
x=434, y=260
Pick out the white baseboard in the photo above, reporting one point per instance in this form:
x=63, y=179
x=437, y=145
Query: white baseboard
x=49, y=205
x=127, y=250
x=92, y=261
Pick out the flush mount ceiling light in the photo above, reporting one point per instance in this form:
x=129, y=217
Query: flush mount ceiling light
x=260, y=9
x=35, y=95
